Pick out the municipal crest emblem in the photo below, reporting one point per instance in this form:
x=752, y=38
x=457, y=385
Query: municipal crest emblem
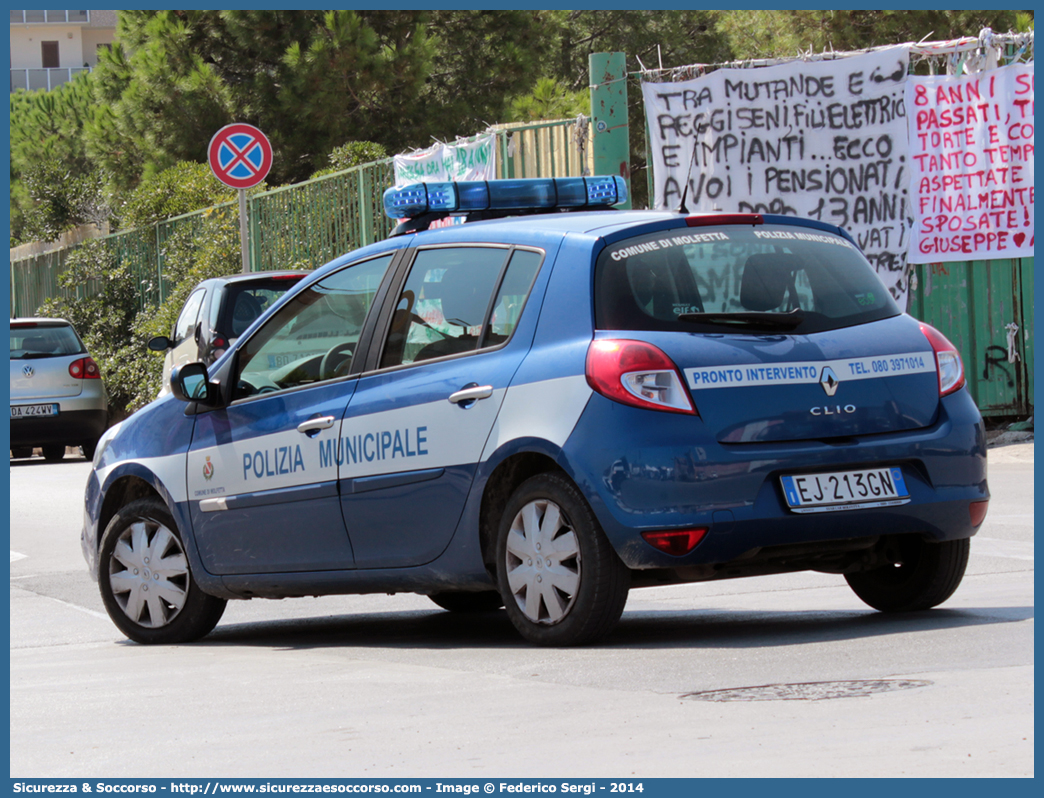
x=208, y=469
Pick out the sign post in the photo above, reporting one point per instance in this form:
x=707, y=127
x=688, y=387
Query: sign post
x=240, y=156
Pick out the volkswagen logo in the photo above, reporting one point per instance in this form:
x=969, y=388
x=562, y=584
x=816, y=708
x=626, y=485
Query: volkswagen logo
x=829, y=381
x=28, y=371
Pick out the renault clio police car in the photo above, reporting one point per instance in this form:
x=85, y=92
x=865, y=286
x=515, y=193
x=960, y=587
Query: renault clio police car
x=543, y=411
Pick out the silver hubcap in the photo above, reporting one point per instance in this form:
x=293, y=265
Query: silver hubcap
x=543, y=562
x=148, y=574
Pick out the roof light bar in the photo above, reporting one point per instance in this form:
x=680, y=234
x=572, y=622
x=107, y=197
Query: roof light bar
x=547, y=193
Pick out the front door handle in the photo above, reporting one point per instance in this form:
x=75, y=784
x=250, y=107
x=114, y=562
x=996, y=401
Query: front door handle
x=314, y=425
x=471, y=394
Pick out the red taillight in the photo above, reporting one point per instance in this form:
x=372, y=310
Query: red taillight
x=675, y=542
x=638, y=374
x=977, y=511
x=947, y=360
x=219, y=343
x=84, y=369
x=723, y=218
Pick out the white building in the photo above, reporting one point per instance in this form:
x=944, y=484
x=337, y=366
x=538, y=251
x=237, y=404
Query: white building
x=50, y=47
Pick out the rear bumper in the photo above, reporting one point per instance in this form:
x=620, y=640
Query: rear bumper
x=71, y=428
x=664, y=472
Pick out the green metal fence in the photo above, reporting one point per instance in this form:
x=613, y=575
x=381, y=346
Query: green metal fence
x=305, y=225
x=300, y=226
x=986, y=309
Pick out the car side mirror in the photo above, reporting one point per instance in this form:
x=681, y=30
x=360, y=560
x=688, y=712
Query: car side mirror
x=160, y=343
x=189, y=382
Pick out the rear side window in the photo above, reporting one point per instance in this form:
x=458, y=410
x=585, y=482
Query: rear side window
x=775, y=278
x=458, y=300
x=44, y=340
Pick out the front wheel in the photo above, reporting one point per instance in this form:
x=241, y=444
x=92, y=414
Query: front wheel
x=924, y=575
x=145, y=579
x=562, y=583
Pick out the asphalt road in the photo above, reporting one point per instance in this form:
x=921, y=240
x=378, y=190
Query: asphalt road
x=391, y=686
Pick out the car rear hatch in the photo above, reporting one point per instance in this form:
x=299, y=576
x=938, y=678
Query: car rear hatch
x=41, y=355
x=780, y=332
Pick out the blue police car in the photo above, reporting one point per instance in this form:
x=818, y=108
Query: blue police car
x=541, y=409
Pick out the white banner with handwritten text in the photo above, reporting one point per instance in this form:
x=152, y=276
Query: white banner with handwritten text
x=468, y=160
x=822, y=139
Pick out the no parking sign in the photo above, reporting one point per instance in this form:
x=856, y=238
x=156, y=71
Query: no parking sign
x=240, y=155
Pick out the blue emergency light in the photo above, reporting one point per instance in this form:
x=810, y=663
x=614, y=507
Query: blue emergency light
x=530, y=194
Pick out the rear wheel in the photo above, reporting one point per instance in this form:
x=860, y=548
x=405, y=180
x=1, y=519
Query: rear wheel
x=924, y=576
x=145, y=579
x=562, y=583
x=488, y=601
x=89, y=449
x=21, y=452
x=53, y=454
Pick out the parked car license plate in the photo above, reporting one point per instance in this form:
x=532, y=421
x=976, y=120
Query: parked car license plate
x=24, y=411
x=845, y=490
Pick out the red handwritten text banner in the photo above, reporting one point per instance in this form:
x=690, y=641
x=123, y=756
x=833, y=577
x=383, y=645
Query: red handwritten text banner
x=971, y=147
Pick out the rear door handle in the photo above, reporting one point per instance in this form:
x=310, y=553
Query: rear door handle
x=314, y=425
x=471, y=394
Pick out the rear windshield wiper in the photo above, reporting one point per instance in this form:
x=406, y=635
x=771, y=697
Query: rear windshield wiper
x=748, y=321
x=34, y=355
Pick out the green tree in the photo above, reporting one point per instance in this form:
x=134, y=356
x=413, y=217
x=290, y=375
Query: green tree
x=549, y=99
x=311, y=80
x=774, y=34
x=47, y=147
x=481, y=60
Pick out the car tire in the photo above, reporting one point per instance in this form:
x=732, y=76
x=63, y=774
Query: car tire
x=54, y=454
x=140, y=536
x=89, y=449
x=21, y=452
x=487, y=601
x=926, y=575
x=579, y=598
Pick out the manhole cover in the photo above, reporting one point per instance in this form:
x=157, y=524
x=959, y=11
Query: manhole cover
x=809, y=691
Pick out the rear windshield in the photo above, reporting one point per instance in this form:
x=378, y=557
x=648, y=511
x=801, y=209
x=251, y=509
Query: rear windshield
x=774, y=278
x=44, y=340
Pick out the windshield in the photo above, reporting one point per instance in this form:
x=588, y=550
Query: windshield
x=765, y=278
x=36, y=340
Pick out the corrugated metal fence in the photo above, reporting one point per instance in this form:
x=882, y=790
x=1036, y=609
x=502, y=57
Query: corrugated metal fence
x=986, y=309
x=302, y=226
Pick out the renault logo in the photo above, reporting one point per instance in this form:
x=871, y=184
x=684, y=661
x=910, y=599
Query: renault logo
x=829, y=381
x=28, y=371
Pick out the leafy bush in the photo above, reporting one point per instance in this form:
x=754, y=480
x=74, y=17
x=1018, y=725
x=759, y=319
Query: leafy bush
x=106, y=311
x=61, y=199
x=354, y=153
x=183, y=188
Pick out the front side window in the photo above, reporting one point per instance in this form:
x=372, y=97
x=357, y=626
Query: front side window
x=763, y=278
x=312, y=338
x=186, y=323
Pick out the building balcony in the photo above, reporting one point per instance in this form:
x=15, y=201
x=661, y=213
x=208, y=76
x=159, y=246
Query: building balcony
x=39, y=17
x=31, y=79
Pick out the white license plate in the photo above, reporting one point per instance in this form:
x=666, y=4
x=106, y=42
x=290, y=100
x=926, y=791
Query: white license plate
x=845, y=490
x=24, y=411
